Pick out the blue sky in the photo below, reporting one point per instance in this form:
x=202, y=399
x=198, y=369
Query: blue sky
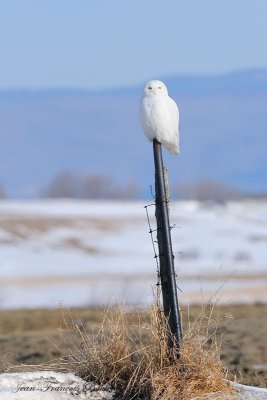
x=99, y=44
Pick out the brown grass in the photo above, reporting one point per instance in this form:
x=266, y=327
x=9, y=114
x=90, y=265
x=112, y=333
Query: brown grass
x=130, y=353
x=33, y=337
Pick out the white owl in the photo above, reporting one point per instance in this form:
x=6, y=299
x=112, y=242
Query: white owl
x=160, y=116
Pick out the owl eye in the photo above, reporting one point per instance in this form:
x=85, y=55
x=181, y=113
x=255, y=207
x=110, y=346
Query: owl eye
x=159, y=87
x=149, y=87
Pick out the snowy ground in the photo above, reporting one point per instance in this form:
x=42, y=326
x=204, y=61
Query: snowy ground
x=49, y=385
x=80, y=252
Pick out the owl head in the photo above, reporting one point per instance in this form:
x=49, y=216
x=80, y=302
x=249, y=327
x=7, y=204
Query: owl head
x=155, y=88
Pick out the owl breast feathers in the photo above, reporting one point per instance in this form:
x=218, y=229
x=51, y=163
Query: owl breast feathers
x=160, y=116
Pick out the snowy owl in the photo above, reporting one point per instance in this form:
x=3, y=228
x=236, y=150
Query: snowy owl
x=160, y=116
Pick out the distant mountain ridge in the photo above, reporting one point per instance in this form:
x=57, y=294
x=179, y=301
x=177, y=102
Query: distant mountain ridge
x=255, y=79
x=223, y=133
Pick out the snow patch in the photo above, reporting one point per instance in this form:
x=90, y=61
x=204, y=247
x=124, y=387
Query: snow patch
x=49, y=385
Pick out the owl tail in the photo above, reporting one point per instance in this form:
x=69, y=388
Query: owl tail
x=173, y=148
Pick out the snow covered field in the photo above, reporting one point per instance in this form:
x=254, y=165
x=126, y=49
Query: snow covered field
x=92, y=253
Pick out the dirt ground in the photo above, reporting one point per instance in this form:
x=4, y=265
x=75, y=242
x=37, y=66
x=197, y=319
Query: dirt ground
x=32, y=337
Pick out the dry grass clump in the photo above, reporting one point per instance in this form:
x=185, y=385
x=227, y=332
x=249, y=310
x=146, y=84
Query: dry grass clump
x=130, y=353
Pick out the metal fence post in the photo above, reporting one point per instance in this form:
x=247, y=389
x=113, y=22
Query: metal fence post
x=167, y=272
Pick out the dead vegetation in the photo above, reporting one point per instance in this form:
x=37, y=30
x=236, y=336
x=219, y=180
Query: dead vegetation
x=33, y=337
x=129, y=352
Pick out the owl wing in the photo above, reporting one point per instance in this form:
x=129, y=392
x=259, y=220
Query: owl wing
x=174, y=114
x=145, y=114
x=173, y=140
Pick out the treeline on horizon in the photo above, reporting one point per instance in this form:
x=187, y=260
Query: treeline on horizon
x=68, y=184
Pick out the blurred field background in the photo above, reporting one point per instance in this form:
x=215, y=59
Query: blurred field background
x=76, y=170
x=82, y=253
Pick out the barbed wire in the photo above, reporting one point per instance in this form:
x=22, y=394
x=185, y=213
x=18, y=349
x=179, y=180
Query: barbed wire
x=156, y=255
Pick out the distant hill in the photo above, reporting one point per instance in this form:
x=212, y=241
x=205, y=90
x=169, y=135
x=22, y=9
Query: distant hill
x=223, y=134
